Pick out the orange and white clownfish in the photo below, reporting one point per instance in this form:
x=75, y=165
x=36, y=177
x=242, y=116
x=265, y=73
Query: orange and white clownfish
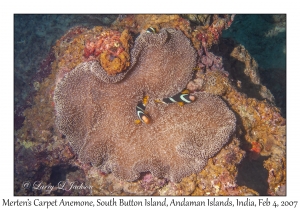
x=140, y=111
x=180, y=98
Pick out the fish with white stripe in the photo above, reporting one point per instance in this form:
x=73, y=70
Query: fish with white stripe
x=181, y=98
x=140, y=111
x=151, y=30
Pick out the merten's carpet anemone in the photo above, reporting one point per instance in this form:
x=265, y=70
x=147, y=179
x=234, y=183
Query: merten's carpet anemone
x=96, y=112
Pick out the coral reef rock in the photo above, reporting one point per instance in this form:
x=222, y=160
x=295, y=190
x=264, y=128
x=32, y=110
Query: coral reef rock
x=97, y=115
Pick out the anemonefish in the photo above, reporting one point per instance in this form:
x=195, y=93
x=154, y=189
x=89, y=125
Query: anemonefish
x=151, y=30
x=140, y=111
x=180, y=98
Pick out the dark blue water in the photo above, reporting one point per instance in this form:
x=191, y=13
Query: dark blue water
x=264, y=36
x=34, y=35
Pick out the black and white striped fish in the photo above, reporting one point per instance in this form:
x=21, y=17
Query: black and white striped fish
x=181, y=98
x=140, y=111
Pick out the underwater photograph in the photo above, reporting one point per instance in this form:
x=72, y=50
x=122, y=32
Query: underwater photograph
x=149, y=104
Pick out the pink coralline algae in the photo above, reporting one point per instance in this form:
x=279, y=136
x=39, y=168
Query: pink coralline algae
x=149, y=182
x=210, y=33
x=97, y=114
x=107, y=41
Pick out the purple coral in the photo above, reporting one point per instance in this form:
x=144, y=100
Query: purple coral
x=98, y=117
x=209, y=61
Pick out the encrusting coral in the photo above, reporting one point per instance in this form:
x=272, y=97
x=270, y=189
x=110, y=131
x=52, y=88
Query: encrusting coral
x=97, y=117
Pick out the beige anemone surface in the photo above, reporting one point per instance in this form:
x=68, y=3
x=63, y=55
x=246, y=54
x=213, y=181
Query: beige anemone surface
x=96, y=112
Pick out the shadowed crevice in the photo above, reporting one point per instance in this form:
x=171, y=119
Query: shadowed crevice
x=252, y=174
